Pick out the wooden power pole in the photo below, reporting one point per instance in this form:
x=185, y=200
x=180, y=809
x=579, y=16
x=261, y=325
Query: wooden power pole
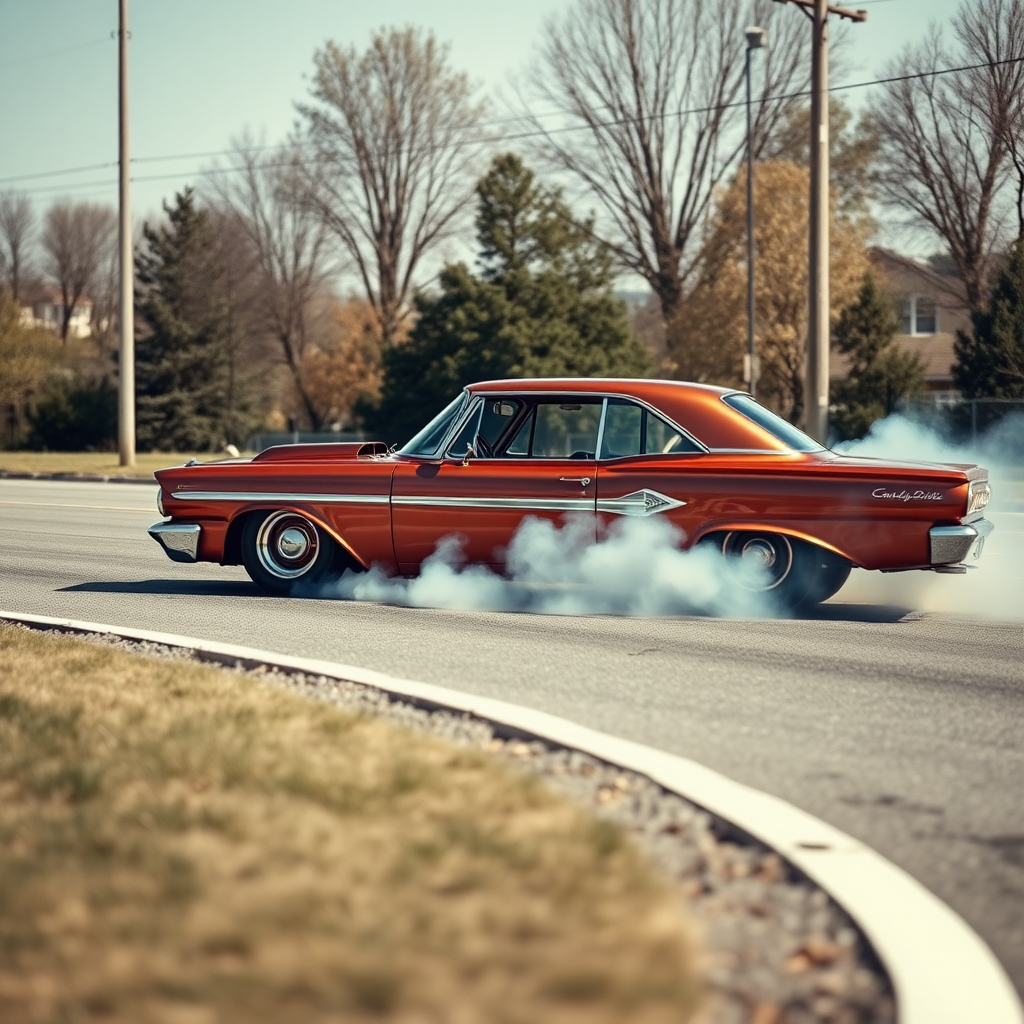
x=819, y=330
x=126, y=302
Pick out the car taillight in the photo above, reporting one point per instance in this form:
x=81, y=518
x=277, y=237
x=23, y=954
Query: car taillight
x=977, y=496
x=160, y=501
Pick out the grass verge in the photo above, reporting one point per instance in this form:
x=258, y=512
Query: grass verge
x=180, y=844
x=93, y=463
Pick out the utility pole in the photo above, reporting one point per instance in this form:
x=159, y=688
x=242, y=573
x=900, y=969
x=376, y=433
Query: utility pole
x=126, y=303
x=819, y=329
x=756, y=40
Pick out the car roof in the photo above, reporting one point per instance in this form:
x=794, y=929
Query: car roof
x=637, y=386
x=697, y=408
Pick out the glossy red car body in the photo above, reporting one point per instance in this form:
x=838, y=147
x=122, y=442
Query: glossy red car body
x=724, y=474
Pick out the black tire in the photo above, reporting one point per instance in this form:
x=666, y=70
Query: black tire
x=283, y=551
x=828, y=582
x=787, y=568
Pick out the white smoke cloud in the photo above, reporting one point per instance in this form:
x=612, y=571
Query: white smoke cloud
x=636, y=568
x=995, y=589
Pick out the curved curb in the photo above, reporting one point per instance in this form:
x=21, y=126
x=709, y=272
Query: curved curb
x=941, y=970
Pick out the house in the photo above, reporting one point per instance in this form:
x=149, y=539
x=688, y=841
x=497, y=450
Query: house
x=933, y=309
x=45, y=308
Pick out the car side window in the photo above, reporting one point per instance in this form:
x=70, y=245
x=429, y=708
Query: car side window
x=558, y=429
x=630, y=429
x=487, y=422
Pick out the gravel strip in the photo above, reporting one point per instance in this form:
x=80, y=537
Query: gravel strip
x=779, y=950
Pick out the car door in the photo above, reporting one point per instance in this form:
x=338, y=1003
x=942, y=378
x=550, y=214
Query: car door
x=648, y=466
x=513, y=457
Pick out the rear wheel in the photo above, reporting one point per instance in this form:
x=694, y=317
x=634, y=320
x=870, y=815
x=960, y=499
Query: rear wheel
x=283, y=550
x=795, y=573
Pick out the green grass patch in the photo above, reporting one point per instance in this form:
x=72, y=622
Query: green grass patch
x=180, y=843
x=94, y=463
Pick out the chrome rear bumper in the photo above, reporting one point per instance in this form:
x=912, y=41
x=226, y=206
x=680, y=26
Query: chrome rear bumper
x=179, y=540
x=950, y=545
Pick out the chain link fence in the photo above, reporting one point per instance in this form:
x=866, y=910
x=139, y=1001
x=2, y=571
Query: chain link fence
x=966, y=419
x=261, y=442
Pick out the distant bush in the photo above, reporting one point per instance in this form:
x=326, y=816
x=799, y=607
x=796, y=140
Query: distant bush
x=75, y=416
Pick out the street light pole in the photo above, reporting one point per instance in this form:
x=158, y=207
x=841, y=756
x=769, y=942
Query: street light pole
x=126, y=307
x=755, y=41
x=818, y=319
x=816, y=379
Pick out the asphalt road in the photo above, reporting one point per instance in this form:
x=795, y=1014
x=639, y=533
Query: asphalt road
x=889, y=713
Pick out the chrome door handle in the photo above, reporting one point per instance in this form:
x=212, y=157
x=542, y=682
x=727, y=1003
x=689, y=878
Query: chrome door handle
x=584, y=480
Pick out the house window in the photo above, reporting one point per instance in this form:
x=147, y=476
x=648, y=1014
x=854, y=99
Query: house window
x=924, y=316
x=919, y=315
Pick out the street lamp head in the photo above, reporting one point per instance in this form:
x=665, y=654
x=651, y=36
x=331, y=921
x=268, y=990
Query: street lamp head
x=757, y=38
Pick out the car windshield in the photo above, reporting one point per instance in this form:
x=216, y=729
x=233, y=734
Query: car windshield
x=782, y=429
x=428, y=440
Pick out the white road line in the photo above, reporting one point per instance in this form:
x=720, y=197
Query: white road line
x=60, y=504
x=942, y=971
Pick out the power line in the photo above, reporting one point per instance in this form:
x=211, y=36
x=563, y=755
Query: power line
x=52, y=53
x=535, y=133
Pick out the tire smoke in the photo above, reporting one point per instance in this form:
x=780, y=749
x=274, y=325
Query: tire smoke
x=635, y=568
x=995, y=589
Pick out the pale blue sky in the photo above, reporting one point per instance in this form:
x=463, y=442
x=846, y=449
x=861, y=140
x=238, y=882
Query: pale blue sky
x=202, y=70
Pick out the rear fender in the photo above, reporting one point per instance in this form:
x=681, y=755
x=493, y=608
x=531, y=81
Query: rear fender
x=233, y=540
x=747, y=526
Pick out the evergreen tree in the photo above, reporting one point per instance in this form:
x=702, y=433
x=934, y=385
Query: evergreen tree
x=541, y=305
x=880, y=376
x=990, y=360
x=193, y=394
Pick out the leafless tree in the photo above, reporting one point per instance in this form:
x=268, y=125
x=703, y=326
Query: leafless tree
x=992, y=34
x=77, y=239
x=17, y=231
x=650, y=94
x=394, y=133
x=287, y=255
x=946, y=139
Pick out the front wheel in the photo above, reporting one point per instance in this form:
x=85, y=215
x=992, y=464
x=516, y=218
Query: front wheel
x=284, y=549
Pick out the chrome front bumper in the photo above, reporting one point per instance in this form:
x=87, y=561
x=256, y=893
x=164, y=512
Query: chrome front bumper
x=950, y=545
x=179, y=540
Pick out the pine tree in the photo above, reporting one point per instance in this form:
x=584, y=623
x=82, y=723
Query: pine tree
x=990, y=360
x=541, y=305
x=880, y=375
x=193, y=394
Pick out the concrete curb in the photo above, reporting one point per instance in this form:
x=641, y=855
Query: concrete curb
x=80, y=478
x=942, y=972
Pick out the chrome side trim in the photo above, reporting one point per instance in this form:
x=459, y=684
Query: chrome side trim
x=639, y=503
x=950, y=545
x=753, y=451
x=525, y=504
x=331, y=499
x=180, y=541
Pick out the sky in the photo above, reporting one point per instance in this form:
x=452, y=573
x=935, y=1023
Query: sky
x=201, y=71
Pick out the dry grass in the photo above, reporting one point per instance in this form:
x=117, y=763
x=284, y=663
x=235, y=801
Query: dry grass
x=94, y=463
x=180, y=844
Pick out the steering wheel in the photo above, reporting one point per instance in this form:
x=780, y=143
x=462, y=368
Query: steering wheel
x=483, y=447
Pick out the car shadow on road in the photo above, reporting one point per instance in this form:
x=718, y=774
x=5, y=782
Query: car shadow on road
x=857, y=613
x=191, y=588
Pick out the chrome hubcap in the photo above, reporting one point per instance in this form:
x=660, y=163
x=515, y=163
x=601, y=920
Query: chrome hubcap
x=287, y=545
x=292, y=543
x=765, y=560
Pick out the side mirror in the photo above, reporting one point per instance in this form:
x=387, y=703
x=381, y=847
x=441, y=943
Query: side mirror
x=470, y=450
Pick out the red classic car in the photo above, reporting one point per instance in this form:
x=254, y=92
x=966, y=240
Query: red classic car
x=726, y=471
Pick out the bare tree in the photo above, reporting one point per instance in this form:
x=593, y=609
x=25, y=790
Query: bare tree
x=650, y=94
x=945, y=138
x=393, y=131
x=992, y=34
x=289, y=252
x=17, y=231
x=77, y=239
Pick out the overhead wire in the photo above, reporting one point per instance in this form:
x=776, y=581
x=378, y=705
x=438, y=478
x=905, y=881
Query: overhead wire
x=512, y=137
